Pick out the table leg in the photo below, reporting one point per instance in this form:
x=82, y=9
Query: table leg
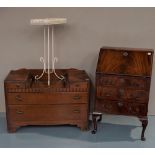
x=94, y=118
x=144, y=125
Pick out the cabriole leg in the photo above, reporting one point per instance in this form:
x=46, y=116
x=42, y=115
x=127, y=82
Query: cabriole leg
x=94, y=118
x=144, y=125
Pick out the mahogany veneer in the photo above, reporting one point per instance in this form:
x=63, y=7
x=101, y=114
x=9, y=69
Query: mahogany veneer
x=123, y=77
x=31, y=102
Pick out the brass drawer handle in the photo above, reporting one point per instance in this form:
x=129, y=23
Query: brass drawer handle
x=120, y=104
x=76, y=111
x=19, y=112
x=18, y=85
x=121, y=91
x=108, y=94
x=77, y=97
x=19, y=98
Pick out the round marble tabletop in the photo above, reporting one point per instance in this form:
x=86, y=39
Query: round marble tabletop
x=48, y=21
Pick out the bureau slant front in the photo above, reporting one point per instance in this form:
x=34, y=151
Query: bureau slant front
x=123, y=77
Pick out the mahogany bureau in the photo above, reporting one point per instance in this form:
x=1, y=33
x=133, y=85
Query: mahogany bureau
x=123, y=77
x=31, y=102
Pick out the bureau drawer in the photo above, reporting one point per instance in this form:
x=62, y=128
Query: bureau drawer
x=134, y=82
x=79, y=85
x=110, y=93
x=107, y=93
x=45, y=113
x=136, y=95
x=48, y=98
x=123, y=81
x=110, y=80
x=135, y=109
x=121, y=108
x=106, y=106
x=15, y=85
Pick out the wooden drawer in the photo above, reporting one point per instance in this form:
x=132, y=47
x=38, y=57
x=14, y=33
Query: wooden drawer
x=134, y=83
x=123, y=81
x=106, y=80
x=120, y=107
x=136, y=110
x=114, y=93
x=107, y=93
x=106, y=106
x=46, y=113
x=81, y=85
x=15, y=85
x=18, y=79
x=139, y=96
x=48, y=98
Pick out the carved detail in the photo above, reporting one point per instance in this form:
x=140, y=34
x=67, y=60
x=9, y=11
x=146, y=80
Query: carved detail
x=37, y=90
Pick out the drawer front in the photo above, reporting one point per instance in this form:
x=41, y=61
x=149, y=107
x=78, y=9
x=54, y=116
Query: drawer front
x=33, y=113
x=121, y=108
x=79, y=85
x=15, y=85
x=135, y=83
x=136, y=110
x=48, y=98
x=122, y=81
x=136, y=95
x=107, y=93
x=102, y=80
x=110, y=93
x=106, y=106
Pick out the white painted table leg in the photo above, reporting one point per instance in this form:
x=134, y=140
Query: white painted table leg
x=54, y=59
x=48, y=55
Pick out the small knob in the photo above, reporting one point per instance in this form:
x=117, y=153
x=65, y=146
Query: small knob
x=125, y=54
x=120, y=104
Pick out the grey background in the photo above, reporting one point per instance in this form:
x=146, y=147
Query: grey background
x=78, y=42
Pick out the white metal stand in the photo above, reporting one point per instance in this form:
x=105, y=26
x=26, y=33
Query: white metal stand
x=46, y=58
x=47, y=22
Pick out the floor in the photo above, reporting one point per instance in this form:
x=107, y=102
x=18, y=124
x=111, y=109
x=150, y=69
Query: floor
x=113, y=131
